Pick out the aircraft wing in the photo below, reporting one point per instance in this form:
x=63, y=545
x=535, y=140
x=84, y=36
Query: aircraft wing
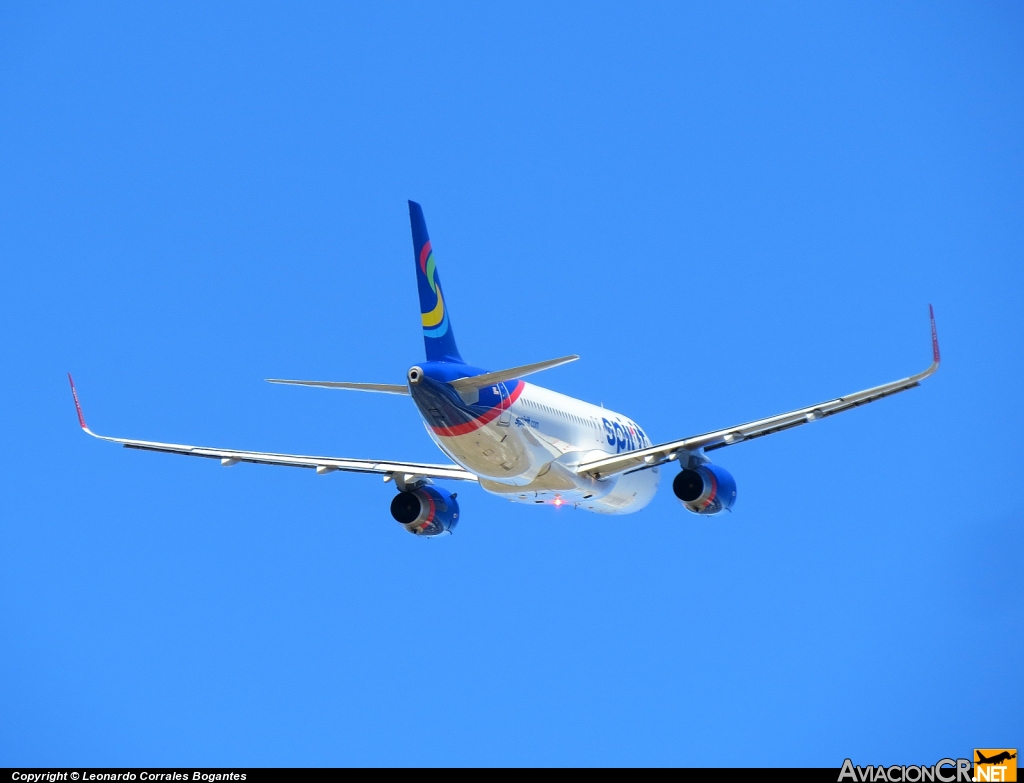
x=402, y=472
x=665, y=452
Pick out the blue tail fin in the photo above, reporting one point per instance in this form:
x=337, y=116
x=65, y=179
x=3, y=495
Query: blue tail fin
x=438, y=337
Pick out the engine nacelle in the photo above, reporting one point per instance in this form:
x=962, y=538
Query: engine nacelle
x=426, y=510
x=705, y=489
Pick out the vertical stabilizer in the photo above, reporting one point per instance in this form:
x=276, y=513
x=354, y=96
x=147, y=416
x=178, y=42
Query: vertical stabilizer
x=438, y=338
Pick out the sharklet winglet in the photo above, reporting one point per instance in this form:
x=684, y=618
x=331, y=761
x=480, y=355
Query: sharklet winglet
x=78, y=406
x=935, y=335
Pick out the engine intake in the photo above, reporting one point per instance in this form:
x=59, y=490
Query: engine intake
x=706, y=489
x=426, y=511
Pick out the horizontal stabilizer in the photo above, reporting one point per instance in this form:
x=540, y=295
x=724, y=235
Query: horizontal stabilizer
x=479, y=381
x=381, y=388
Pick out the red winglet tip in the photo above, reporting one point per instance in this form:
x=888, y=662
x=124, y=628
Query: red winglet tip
x=935, y=335
x=78, y=407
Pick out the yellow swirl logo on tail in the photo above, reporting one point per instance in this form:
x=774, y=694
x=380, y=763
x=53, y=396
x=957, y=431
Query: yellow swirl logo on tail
x=435, y=322
x=435, y=316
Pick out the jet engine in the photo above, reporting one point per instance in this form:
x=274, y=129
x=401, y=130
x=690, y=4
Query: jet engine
x=426, y=510
x=705, y=489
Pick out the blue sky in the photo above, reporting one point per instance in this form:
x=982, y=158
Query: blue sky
x=728, y=212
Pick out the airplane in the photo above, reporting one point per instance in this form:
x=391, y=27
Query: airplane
x=996, y=759
x=524, y=442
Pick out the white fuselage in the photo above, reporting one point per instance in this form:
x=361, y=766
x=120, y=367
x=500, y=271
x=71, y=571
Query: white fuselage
x=529, y=452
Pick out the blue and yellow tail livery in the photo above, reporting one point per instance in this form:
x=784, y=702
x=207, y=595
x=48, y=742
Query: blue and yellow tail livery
x=438, y=338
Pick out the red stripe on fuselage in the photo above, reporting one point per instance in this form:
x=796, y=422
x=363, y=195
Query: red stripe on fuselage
x=477, y=423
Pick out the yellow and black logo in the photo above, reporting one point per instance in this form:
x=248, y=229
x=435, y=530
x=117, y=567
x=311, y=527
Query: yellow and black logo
x=995, y=764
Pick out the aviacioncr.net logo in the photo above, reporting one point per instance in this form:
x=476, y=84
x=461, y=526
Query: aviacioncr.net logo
x=942, y=771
